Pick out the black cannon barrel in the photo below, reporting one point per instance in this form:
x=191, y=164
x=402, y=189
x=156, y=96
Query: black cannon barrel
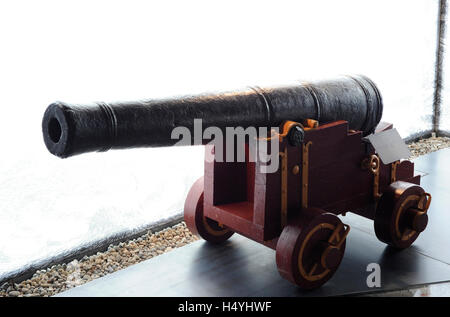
x=71, y=129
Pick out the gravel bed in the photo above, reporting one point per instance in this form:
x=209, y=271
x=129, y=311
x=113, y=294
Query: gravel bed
x=61, y=277
x=429, y=145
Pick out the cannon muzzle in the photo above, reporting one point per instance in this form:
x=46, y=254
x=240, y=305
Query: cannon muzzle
x=71, y=129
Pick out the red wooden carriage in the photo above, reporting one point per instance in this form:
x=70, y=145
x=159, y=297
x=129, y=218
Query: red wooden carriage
x=294, y=210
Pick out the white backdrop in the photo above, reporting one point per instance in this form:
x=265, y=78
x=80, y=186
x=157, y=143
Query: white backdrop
x=444, y=122
x=81, y=51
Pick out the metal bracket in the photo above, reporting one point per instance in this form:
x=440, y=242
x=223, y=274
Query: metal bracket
x=372, y=163
x=305, y=173
x=284, y=177
x=394, y=171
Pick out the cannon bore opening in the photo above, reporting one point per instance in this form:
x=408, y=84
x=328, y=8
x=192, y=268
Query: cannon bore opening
x=54, y=130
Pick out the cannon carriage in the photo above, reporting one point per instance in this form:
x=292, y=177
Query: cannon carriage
x=330, y=162
x=294, y=210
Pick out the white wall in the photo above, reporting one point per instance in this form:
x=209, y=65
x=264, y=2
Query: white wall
x=79, y=51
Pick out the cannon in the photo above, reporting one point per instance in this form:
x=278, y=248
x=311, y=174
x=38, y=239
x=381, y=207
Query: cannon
x=334, y=156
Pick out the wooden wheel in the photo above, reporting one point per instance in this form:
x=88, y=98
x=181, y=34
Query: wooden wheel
x=401, y=214
x=201, y=226
x=311, y=248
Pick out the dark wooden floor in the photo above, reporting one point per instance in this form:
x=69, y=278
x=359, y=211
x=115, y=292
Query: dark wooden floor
x=244, y=268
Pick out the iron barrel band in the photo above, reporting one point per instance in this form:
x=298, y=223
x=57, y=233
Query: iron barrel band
x=315, y=97
x=111, y=121
x=368, y=100
x=266, y=101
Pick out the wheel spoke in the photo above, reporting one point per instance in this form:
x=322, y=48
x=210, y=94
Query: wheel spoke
x=313, y=269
